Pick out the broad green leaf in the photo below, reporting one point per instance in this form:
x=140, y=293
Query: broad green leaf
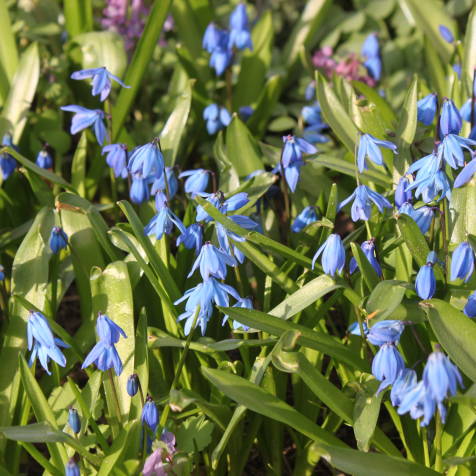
x=413, y=238
x=21, y=93
x=368, y=272
x=462, y=219
x=194, y=434
x=228, y=177
x=469, y=55
x=8, y=51
x=455, y=332
x=385, y=298
x=78, y=16
x=241, y=148
x=359, y=463
x=373, y=96
x=309, y=338
x=175, y=126
x=33, y=433
x=139, y=63
x=30, y=280
x=335, y=114
x=112, y=295
x=78, y=166
x=305, y=296
x=259, y=400
x=141, y=362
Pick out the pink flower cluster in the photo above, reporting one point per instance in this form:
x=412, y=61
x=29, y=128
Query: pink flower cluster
x=350, y=68
x=159, y=462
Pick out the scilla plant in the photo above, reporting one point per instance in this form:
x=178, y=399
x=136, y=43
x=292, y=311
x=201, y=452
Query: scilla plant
x=237, y=238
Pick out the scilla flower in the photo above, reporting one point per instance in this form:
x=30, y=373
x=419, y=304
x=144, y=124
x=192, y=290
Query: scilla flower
x=425, y=283
x=159, y=183
x=73, y=420
x=192, y=237
x=450, y=119
x=2, y=273
x=423, y=216
x=470, y=307
x=361, y=208
x=371, y=52
x=243, y=303
x=42, y=343
x=44, y=159
x=386, y=365
x=85, y=118
x=451, y=149
x=101, y=80
x=163, y=222
x=58, y=239
x=147, y=160
x=418, y=401
x=402, y=195
x=71, y=468
x=139, y=192
x=216, y=117
x=446, y=34
x=211, y=38
x=294, y=148
x=368, y=247
x=385, y=332
x=132, y=385
x=466, y=174
x=150, y=414
x=462, y=262
x=369, y=147
x=406, y=380
x=240, y=36
x=197, y=180
x=333, y=255
x=104, y=353
x=116, y=158
x=212, y=262
x=426, y=109
x=7, y=162
x=305, y=218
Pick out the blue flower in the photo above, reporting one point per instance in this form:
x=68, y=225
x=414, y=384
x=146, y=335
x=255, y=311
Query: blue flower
x=462, y=263
x=368, y=247
x=446, y=34
x=312, y=114
x=307, y=216
x=150, y=414
x=441, y=379
x=101, y=80
x=163, y=222
x=470, y=306
x=73, y=420
x=423, y=216
x=216, y=118
x=44, y=159
x=104, y=353
x=2, y=273
x=418, y=402
x=116, y=158
x=7, y=162
x=235, y=202
x=385, y=332
x=451, y=149
x=386, y=365
x=212, y=262
x=450, y=119
x=361, y=208
x=71, y=468
x=215, y=41
x=159, y=183
x=369, y=147
x=425, y=283
x=147, y=160
x=192, y=237
x=85, y=118
x=245, y=112
x=406, y=380
x=240, y=36
x=466, y=112
x=139, y=191
x=58, y=239
x=333, y=255
x=212, y=37
x=132, y=385
x=243, y=303
x=294, y=148
x=354, y=328
x=466, y=174
x=197, y=181
x=402, y=195
x=371, y=52
x=427, y=108
x=310, y=92
x=42, y=343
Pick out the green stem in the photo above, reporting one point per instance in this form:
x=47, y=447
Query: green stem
x=438, y=435
x=229, y=89
x=116, y=397
x=54, y=284
x=426, y=452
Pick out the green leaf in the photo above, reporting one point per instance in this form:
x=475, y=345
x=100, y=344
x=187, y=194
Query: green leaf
x=8, y=51
x=194, y=434
x=305, y=296
x=33, y=433
x=112, y=295
x=259, y=400
x=413, y=238
x=385, y=298
x=469, y=49
x=455, y=332
x=241, y=148
x=78, y=166
x=175, y=126
x=141, y=362
x=139, y=63
x=381, y=104
x=462, y=214
x=78, y=16
x=309, y=338
x=22, y=91
x=368, y=272
x=335, y=115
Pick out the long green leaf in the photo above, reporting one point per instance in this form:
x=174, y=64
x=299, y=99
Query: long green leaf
x=469, y=55
x=8, y=51
x=368, y=272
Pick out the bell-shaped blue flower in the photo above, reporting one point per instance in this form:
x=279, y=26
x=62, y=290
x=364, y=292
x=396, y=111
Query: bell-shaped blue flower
x=312, y=114
x=402, y=195
x=85, y=118
x=450, y=118
x=451, y=149
x=42, y=343
x=425, y=283
x=44, y=159
x=462, y=262
x=235, y=202
x=216, y=117
x=371, y=53
x=58, y=239
x=243, y=303
x=446, y=34
x=333, y=255
x=294, y=148
x=192, y=237
x=150, y=414
x=363, y=196
x=369, y=147
x=101, y=80
x=354, y=328
x=73, y=420
x=240, y=36
x=107, y=330
x=466, y=174
x=386, y=365
x=426, y=109
x=7, y=163
x=139, y=192
x=305, y=218
x=245, y=112
x=212, y=262
x=470, y=306
x=163, y=222
x=466, y=112
x=423, y=216
x=132, y=385
x=211, y=38
x=116, y=158
x=71, y=468
x=2, y=273
x=158, y=184
x=368, y=247
x=147, y=160
x=406, y=380
x=310, y=92
x=418, y=401
x=197, y=181
x=385, y=332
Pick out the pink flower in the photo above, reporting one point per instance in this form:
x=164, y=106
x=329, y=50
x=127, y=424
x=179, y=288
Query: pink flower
x=154, y=466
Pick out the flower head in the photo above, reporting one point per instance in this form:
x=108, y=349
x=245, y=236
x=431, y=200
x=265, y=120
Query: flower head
x=462, y=263
x=212, y=262
x=450, y=119
x=71, y=468
x=192, y=237
x=423, y=216
x=85, y=118
x=73, y=420
x=369, y=147
x=425, y=283
x=386, y=365
x=363, y=196
x=216, y=117
x=385, y=332
x=101, y=80
x=368, y=247
x=116, y=158
x=7, y=163
x=371, y=52
x=212, y=37
x=333, y=255
x=307, y=216
x=197, y=181
x=426, y=109
x=418, y=402
x=2, y=273
x=406, y=380
x=147, y=160
x=164, y=222
x=132, y=385
x=294, y=148
x=451, y=149
x=44, y=159
x=139, y=191
x=58, y=239
x=243, y=303
x=446, y=34
x=470, y=306
x=466, y=174
x=240, y=36
x=402, y=195
x=150, y=414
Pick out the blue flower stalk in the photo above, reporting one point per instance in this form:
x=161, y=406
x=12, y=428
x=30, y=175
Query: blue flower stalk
x=362, y=198
x=85, y=118
x=369, y=148
x=386, y=365
x=73, y=420
x=333, y=255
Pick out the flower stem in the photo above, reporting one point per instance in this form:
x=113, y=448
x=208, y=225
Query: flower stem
x=229, y=89
x=116, y=397
x=438, y=434
x=54, y=283
x=426, y=452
